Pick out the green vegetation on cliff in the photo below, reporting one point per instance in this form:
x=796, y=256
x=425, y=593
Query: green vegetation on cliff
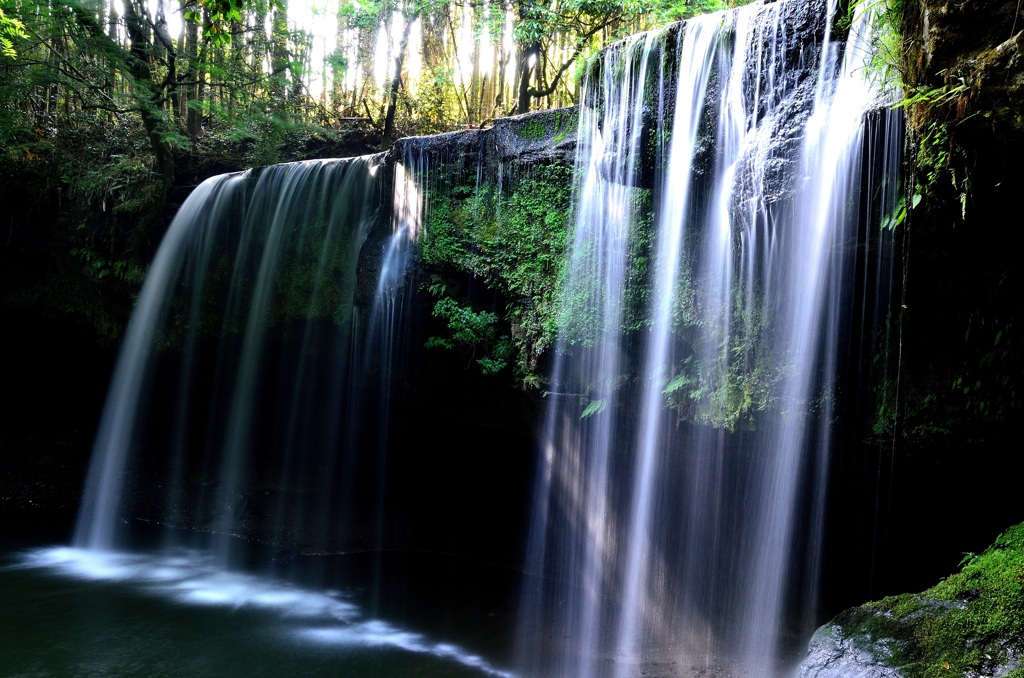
x=961, y=70
x=512, y=239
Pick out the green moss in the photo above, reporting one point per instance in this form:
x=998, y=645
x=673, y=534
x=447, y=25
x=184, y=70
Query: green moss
x=556, y=126
x=712, y=382
x=719, y=382
x=533, y=129
x=967, y=624
x=513, y=242
x=566, y=124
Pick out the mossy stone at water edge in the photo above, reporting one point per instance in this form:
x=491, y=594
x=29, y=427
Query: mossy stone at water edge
x=969, y=624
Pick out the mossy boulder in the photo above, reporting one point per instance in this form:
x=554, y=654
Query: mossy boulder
x=969, y=624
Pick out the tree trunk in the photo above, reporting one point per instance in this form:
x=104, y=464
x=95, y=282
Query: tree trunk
x=190, y=92
x=396, y=82
x=338, y=71
x=279, y=57
x=525, y=69
x=147, y=94
x=237, y=66
x=195, y=115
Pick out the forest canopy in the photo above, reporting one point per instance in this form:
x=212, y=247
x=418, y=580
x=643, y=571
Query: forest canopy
x=194, y=68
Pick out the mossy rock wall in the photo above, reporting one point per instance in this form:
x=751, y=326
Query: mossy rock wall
x=946, y=418
x=495, y=217
x=963, y=70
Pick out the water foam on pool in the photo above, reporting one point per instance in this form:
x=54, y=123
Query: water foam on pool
x=192, y=578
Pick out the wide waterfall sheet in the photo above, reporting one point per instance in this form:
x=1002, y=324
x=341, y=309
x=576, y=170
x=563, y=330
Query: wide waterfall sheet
x=722, y=201
x=680, y=497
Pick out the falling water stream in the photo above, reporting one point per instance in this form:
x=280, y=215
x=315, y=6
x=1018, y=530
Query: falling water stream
x=680, y=496
x=248, y=257
x=713, y=415
x=248, y=426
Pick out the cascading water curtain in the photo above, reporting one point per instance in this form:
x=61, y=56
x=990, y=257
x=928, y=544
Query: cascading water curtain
x=571, y=530
x=680, y=491
x=241, y=386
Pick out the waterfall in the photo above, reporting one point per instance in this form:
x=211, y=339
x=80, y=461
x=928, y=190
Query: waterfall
x=250, y=424
x=251, y=357
x=724, y=268
x=577, y=459
x=680, y=495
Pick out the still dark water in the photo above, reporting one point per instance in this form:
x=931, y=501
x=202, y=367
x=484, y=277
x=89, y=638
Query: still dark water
x=68, y=612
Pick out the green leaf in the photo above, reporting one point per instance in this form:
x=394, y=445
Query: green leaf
x=438, y=342
x=595, y=407
x=967, y=558
x=677, y=383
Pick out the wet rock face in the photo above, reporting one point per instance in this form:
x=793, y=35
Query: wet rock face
x=950, y=30
x=972, y=55
x=833, y=654
x=783, y=62
x=963, y=71
x=782, y=54
x=838, y=650
x=543, y=136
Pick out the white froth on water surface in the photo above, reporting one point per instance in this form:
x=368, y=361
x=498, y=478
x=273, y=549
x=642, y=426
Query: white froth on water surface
x=193, y=578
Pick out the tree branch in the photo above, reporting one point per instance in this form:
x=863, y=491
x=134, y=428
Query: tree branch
x=580, y=44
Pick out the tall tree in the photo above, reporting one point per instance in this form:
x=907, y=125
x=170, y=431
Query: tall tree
x=396, y=81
